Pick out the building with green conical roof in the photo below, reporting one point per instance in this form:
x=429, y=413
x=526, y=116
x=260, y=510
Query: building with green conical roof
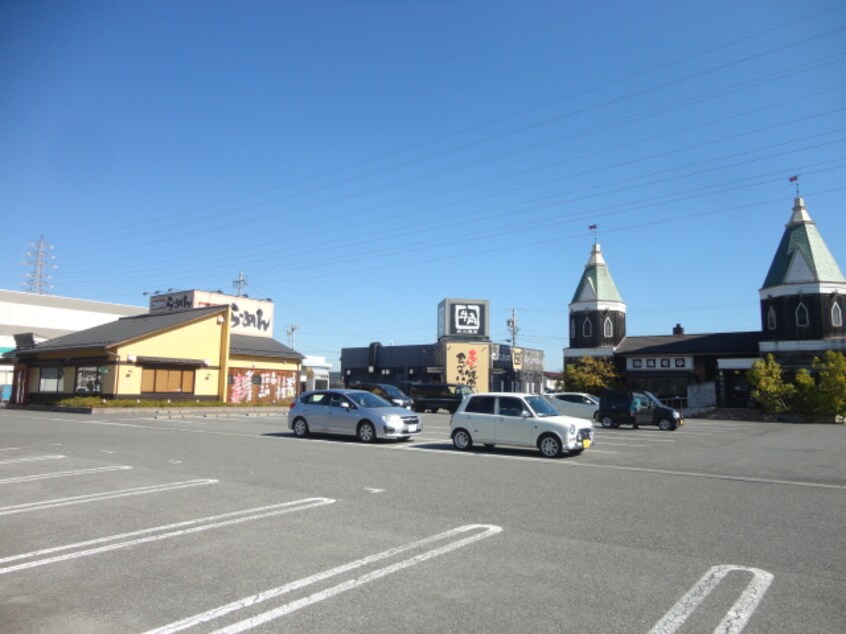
x=802, y=300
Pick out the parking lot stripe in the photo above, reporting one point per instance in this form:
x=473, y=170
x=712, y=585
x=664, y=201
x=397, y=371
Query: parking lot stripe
x=738, y=615
x=187, y=527
x=487, y=530
x=63, y=474
x=96, y=497
x=30, y=459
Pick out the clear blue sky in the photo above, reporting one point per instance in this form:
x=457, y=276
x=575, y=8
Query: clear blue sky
x=360, y=161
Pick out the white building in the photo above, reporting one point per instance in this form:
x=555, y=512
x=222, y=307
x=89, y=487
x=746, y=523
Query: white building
x=48, y=317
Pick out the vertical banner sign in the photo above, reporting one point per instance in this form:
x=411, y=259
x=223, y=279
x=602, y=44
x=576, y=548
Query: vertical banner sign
x=469, y=364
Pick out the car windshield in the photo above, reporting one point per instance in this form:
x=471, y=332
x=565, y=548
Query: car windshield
x=654, y=399
x=367, y=399
x=392, y=390
x=541, y=407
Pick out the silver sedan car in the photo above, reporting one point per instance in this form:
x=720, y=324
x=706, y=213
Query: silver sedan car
x=352, y=413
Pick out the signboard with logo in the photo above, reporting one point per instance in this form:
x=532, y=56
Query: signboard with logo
x=660, y=363
x=249, y=316
x=464, y=319
x=468, y=364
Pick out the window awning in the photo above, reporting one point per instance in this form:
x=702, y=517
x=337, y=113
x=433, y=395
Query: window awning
x=169, y=361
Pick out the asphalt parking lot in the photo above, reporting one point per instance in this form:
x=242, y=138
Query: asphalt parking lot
x=131, y=523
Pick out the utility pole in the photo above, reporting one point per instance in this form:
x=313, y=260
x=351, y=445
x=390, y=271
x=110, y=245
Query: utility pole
x=291, y=329
x=40, y=259
x=512, y=326
x=239, y=284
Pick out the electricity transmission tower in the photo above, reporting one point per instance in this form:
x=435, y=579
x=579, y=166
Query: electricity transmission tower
x=240, y=283
x=40, y=261
x=292, y=337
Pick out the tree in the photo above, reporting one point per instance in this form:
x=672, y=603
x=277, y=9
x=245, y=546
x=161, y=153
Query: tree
x=831, y=383
x=769, y=387
x=805, y=401
x=589, y=374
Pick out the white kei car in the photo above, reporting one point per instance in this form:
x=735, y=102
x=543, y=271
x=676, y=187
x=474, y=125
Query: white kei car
x=578, y=404
x=527, y=420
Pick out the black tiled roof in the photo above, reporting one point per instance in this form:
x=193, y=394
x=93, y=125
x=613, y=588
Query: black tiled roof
x=261, y=347
x=729, y=343
x=124, y=329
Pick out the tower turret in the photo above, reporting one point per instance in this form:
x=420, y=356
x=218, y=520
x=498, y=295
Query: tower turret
x=597, y=312
x=802, y=299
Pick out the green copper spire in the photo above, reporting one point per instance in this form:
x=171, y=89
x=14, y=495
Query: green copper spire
x=802, y=255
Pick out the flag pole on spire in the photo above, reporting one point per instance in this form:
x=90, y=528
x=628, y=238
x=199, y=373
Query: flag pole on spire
x=594, y=229
x=795, y=179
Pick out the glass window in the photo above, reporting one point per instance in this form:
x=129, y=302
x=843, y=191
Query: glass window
x=771, y=318
x=801, y=316
x=88, y=380
x=51, y=380
x=836, y=315
x=609, y=327
x=587, y=327
x=510, y=406
x=481, y=405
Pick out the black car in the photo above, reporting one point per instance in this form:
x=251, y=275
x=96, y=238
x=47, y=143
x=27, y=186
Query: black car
x=636, y=408
x=434, y=396
x=390, y=393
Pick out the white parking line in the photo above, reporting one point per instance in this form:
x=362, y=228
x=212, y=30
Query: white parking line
x=186, y=528
x=96, y=497
x=608, y=435
x=30, y=459
x=62, y=474
x=498, y=456
x=9, y=448
x=738, y=615
x=488, y=531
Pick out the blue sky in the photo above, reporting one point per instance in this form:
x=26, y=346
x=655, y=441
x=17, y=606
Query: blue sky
x=361, y=161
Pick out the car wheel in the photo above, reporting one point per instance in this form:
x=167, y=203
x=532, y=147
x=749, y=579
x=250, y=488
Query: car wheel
x=665, y=424
x=607, y=422
x=462, y=440
x=451, y=409
x=366, y=432
x=300, y=428
x=419, y=409
x=550, y=446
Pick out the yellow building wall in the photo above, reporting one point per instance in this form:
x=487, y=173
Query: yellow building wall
x=200, y=340
x=468, y=363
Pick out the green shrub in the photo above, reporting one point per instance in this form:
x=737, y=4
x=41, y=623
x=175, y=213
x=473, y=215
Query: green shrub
x=768, y=386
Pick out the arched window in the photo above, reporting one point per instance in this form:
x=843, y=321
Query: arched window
x=802, y=319
x=608, y=328
x=836, y=315
x=771, y=318
x=587, y=328
x=572, y=327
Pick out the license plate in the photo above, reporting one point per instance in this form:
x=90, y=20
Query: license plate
x=412, y=428
x=586, y=443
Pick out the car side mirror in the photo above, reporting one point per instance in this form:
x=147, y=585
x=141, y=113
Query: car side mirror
x=525, y=414
x=346, y=405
